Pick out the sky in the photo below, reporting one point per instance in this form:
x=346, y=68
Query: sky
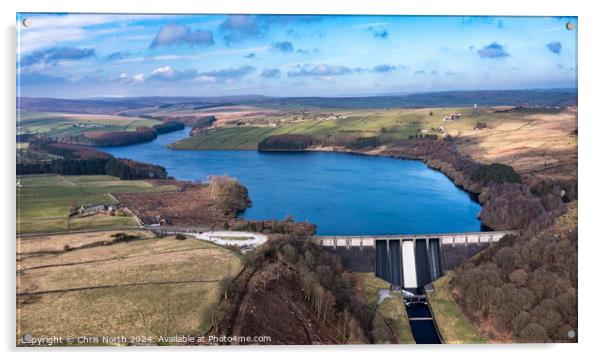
x=98, y=55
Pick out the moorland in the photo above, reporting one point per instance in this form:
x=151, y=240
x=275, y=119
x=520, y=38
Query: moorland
x=515, y=150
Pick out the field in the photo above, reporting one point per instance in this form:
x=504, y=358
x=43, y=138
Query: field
x=397, y=123
x=43, y=201
x=539, y=141
x=57, y=125
x=149, y=287
x=452, y=324
x=390, y=323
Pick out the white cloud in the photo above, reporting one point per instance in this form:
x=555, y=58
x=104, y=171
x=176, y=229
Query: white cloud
x=204, y=55
x=163, y=70
x=138, y=77
x=48, y=30
x=33, y=40
x=206, y=79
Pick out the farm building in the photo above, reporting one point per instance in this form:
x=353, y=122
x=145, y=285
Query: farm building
x=92, y=209
x=454, y=116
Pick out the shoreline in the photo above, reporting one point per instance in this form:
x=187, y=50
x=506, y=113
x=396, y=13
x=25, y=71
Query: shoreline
x=444, y=157
x=375, y=152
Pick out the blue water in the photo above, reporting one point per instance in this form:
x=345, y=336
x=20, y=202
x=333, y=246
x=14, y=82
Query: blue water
x=342, y=194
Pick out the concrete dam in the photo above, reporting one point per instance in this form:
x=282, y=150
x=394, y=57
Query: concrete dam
x=408, y=261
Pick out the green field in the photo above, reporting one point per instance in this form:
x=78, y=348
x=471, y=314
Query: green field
x=390, y=124
x=452, y=324
x=57, y=124
x=43, y=201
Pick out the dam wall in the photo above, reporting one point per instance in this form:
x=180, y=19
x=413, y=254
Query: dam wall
x=408, y=261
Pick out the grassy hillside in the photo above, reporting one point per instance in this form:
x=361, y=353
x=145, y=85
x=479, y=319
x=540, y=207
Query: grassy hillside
x=386, y=124
x=390, y=123
x=143, y=288
x=64, y=124
x=43, y=201
x=541, y=143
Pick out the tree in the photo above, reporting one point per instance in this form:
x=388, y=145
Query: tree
x=507, y=259
x=117, y=138
x=510, y=206
x=495, y=173
x=289, y=142
x=519, y=277
x=229, y=194
x=520, y=322
x=533, y=333
x=167, y=127
x=213, y=315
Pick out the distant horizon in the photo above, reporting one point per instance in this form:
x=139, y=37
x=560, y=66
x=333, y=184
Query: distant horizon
x=75, y=55
x=301, y=96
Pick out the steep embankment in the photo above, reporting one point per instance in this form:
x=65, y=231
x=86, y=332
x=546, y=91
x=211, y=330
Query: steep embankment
x=296, y=293
x=273, y=305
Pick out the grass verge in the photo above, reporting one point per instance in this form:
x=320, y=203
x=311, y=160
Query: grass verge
x=453, y=325
x=390, y=323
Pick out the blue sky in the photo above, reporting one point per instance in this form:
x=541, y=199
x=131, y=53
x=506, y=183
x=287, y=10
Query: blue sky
x=91, y=55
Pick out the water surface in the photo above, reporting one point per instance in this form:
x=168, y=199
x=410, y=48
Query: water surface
x=343, y=194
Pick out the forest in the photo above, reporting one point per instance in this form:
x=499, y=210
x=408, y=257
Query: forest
x=118, y=138
x=526, y=285
x=200, y=124
x=84, y=160
x=330, y=290
x=286, y=142
x=168, y=127
x=495, y=173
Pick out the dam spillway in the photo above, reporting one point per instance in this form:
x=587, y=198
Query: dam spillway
x=408, y=261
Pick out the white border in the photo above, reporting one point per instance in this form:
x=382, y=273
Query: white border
x=590, y=132
x=418, y=7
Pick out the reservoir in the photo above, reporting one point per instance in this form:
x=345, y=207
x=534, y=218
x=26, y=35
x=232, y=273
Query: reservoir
x=343, y=194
